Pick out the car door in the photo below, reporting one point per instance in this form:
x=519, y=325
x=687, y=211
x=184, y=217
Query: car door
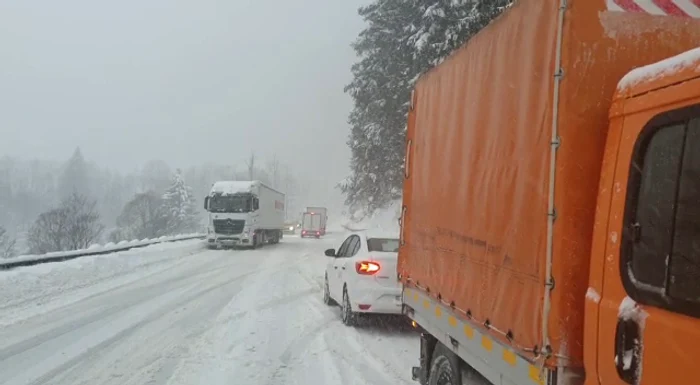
x=649, y=312
x=333, y=271
x=347, y=263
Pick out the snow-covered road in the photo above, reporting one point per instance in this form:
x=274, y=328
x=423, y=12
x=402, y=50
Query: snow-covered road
x=178, y=314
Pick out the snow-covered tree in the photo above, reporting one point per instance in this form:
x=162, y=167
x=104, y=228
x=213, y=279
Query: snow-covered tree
x=7, y=244
x=403, y=39
x=142, y=217
x=179, y=206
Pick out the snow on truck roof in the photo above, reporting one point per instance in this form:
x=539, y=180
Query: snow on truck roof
x=659, y=74
x=232, y=187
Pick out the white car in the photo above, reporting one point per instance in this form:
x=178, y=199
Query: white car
x=361, y=276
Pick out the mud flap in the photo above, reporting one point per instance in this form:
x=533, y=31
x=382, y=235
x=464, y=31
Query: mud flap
x=427, y=346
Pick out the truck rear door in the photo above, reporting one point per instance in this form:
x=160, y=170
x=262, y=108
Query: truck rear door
x=649, y=309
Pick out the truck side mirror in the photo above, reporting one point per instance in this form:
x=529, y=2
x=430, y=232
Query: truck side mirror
x=206, y=203
x=330, y=253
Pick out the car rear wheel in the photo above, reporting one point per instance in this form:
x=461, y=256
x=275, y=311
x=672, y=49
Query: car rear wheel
x=349, y=317
x=327, y=294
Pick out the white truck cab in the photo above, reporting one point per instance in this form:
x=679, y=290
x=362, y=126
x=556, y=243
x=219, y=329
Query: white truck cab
x=243, y=214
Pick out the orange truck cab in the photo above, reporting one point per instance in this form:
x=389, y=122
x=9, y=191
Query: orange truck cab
x=643, y=300
x=550, y=231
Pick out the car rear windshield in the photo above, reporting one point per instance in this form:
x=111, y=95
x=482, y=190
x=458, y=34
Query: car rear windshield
x=383, y=245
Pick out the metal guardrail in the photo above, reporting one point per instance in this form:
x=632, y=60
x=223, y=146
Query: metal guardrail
x=68, y=255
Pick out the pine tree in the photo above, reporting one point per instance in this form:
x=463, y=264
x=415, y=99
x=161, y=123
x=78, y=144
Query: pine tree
x=75, y=178
x=180, y=206
x=403, y=39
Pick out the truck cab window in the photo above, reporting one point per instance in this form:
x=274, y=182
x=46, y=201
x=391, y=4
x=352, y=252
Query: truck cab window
x=661, y=239
x=685, y=260
x=655, y=206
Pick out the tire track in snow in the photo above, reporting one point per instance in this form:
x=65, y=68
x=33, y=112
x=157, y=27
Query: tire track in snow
x=296, y=348
x=135, y=297
x=358, y=359
x=171, y=262
x=94, y=350
x=107, y=310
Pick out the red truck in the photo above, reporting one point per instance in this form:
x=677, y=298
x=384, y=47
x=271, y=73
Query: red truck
x=551, y=210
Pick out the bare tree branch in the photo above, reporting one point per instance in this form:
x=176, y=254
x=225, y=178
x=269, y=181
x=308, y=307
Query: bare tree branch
x=74, y=225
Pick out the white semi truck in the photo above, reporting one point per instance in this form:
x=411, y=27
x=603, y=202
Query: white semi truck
x=244, y=214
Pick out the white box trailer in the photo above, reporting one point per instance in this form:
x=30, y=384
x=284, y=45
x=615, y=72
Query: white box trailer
x=324, y=216
x=244, y=213
x=311, y=223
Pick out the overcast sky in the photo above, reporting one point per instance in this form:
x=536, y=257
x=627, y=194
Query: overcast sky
x=184, y=81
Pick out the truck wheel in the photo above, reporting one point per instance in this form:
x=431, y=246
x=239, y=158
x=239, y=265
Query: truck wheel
x=257, y=242
x=444, y=369
x=348, y=316
x=327, y=294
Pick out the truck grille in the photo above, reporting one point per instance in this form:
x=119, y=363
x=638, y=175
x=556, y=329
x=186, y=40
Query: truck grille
x=228, y=226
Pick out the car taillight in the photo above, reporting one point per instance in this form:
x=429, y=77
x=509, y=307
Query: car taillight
x=367, y=268
x=318, y=233
x=303, y=231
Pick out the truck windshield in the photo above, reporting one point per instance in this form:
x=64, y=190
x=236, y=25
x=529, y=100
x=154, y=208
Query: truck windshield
x=239, y=203
x=383, y=245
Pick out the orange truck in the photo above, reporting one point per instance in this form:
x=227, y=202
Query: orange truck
x=550, y=231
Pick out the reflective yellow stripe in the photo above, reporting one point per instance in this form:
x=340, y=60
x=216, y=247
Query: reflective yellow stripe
x=535, y=375
x=438, y=312
x=452, y=321
x=509, y=357
x=486, y=343
x=468, y=331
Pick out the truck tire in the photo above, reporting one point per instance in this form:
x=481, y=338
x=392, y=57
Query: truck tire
x=444, y=368
x=348, y=316
x=257, y=241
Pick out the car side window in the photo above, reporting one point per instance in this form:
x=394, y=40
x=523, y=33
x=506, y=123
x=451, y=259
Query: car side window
x=354, y=246
x=660, y=260
x=344, y=248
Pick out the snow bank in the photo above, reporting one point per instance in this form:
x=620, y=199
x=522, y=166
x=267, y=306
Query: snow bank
x=385, y=220
x=678, y=63
x=32, y=290
x=102, y=249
